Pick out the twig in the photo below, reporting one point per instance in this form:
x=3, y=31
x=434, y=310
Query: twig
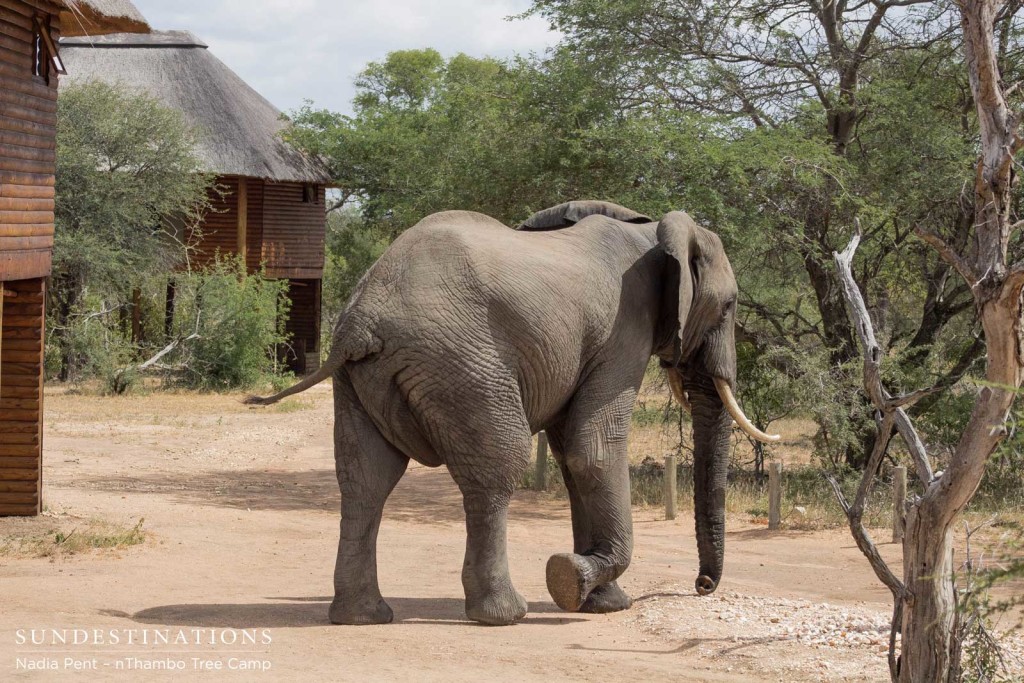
x=913, y=397
x=916, y=447
x=153, y=361
x=166, y=350
x=867, y=545
x=949, y=255
x=880, y=398
x=894, y=627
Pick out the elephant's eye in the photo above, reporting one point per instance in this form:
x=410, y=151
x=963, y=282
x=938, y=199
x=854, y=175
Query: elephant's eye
x=729, y=307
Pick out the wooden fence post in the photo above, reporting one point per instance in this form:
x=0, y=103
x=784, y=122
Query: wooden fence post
x=136, y=315
x=670, y=487
x=774, y=495
x=540, y=482
x=899, y=498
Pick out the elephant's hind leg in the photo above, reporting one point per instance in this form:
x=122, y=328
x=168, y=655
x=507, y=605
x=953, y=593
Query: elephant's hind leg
x=368, y=468
x=490, y=596
x=487, y=465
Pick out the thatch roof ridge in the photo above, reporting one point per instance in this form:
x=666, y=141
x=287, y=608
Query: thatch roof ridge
x=238, y=129
x=95, y=17
x=152, y=39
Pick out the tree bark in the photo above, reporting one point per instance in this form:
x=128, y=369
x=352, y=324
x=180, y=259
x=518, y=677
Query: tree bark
x=928, y=617
x=929, y=611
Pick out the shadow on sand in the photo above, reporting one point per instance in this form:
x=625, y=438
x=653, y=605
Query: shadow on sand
x=425, y=496
x=312, y=611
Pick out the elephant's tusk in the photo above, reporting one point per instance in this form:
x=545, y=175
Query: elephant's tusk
x=737, y=413
x=678, y=390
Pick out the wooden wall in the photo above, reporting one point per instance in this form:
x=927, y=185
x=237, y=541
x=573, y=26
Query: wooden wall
x=286, y=234
x=28, y=121
x=293, y=231
x=21, y=397
x=254, y=237
x=28, y=118
x=219, y=231
x=283, y=231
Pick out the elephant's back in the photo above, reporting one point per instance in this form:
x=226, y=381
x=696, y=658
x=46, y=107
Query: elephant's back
x=472, y=299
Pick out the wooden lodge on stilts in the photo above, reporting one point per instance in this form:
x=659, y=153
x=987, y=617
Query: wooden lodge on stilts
x=269, y=205
x=30, y=68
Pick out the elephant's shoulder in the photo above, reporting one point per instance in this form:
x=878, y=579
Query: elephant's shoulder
x=571, y=213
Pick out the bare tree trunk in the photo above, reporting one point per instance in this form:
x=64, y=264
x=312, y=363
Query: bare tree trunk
x=925, y=600
x=929, y=610
x=928, y=617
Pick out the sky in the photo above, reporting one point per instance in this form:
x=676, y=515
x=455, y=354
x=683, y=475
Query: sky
x=294, y=50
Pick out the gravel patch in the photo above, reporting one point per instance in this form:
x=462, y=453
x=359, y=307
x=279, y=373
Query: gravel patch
x=777, y=636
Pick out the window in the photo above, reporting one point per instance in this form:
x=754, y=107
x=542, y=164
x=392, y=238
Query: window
x=39, y=55
x=44, y=51
x=310, y=194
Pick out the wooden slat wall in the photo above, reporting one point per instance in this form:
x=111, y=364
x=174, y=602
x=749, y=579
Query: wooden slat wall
x=304, y=317
x=303, y=327
x=28, y=119
x=254, y=252
x=21, y=398
x=220, y=225
x=293, y=231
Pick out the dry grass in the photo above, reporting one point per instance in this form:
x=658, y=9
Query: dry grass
x=65, y=536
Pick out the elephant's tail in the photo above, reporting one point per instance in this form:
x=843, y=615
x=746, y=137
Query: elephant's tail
x=354, y=346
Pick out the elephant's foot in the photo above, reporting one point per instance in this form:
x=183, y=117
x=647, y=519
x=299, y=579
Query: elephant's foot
x=497, y=608
x=570, y=578
x=605, y=599
x=360, y=612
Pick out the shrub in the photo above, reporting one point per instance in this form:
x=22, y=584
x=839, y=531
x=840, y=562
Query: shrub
x=230, y=324
x=94, y=345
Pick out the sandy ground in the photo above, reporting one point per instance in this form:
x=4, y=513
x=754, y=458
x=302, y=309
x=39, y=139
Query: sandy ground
x=240, y=508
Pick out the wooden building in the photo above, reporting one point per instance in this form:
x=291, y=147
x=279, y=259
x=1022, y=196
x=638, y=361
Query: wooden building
x=272, y=206
x=30, y=68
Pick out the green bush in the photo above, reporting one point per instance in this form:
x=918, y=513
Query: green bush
x=230, y=325
x=94, y=343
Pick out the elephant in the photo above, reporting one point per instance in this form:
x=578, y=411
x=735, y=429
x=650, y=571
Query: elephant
x=467, y=337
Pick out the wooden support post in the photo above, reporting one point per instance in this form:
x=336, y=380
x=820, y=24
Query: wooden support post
x=243, y=219
x=671, y=491
x=3, y=293
x=541, y=473
x=136, y=315
x=169, y=309
x=899, y=499
x=774, y=495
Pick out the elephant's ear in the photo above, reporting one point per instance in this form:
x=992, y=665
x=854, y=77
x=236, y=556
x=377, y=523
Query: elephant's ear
x=570, y=213
x=676, y=235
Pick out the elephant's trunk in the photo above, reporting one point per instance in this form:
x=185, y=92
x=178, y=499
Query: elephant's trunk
x=712, y=426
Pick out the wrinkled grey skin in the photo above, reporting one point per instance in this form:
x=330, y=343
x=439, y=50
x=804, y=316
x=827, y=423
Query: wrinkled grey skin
x=467, y=337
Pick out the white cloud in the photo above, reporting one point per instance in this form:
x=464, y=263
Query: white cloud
x=291, y=50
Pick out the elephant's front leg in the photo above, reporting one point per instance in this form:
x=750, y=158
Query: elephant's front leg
x=592, y=441
x=608, y=597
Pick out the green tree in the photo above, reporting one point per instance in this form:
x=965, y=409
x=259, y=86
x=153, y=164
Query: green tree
x=877, y=93
x=614, y=120
x=125, y=164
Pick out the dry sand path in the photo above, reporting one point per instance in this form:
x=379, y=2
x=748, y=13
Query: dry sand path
x=240, y=508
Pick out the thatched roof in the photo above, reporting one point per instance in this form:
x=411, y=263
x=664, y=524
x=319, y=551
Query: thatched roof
x=237, y=127
x=96, y=17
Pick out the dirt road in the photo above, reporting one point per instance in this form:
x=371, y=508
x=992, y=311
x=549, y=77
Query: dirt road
x=240, y=509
